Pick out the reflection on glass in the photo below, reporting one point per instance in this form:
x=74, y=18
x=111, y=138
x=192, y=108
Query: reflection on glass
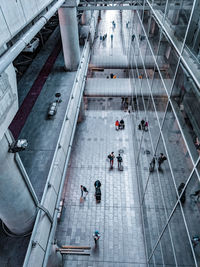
x=186, y=102
x=153, y=213
x=152, y=121
x=165, y=177
x=167, y=249
x=178, y=18
x=167, y=61
x=177, y=150
x=180, y=239
x=191, y=209
x=157, y=256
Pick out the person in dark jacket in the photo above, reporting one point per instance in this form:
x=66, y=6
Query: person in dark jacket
x=97, y=184
x=119, y=160
x=161, y=159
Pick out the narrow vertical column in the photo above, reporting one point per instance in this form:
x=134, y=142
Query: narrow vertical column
x=69, y=34
x=17, y=208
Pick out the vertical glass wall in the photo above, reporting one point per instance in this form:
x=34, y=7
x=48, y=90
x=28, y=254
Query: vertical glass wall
x=167, y=97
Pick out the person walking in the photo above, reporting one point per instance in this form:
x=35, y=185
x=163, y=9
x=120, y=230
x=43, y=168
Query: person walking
x=83, y=189
x=121, y=124
x=97, y=184
x=96, y=236
x=161, y=159
x=111, y=37
x=119, y=161
x=111, y=156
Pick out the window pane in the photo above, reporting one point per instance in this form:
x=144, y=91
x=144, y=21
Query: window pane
x=186, y=102
x=179, y=157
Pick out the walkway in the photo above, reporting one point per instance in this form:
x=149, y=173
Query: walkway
x=117, y=217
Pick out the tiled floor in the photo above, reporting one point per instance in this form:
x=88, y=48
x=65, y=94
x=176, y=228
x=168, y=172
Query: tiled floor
x=117, y=217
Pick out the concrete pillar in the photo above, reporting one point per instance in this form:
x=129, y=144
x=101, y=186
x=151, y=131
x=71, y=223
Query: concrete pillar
x=88, y=15
x=83, y=19
x=17, y=209
x=55, y=258
x=70, y=39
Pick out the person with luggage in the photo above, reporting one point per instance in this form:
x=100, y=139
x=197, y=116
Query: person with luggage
x=161, y=159
x=119, y=161
x=96, y=236
x=84, y=189
x=117, y=125
x=121, y=124
x=111, y=157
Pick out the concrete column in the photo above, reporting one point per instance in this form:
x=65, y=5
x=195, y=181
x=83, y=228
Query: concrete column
x=55, y=258
x=17, y=209
x=83, y=19
x=88, y=15
x=70, y=39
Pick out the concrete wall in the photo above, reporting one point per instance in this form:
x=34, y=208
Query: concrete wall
x=15, y=14
x=8, y=98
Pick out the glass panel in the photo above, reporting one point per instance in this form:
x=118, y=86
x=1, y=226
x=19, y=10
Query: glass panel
x=167, y=249
x=198, y=168
x=165, y=178
x=153, y=212
x=144, y=160
x=179, y=157
x=191, y=209
x=177, y=18
x=157, y=256
x=186, y=102
x=180, y=239
x=159, y=95
x=154, y=36
x=147, y=20
x=153, y=122
x=191, y=51
x=167, y=61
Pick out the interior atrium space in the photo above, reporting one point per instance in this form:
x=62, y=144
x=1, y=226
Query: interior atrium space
x=100, y=133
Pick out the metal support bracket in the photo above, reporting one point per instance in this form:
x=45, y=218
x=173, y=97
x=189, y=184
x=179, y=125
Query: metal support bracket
x=46, y=211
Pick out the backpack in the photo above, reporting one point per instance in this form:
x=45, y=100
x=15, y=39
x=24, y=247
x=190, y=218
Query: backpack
x=119, y=159
x=84, y=189
x=139, y=127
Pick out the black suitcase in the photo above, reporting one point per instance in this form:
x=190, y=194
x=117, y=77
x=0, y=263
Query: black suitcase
x=121, y=168
x=98, y=194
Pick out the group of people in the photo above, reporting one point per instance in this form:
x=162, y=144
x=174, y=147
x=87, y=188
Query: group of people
x=119, y=125
x=111, y=157
x=113, y=23
x=97, y=185
x=84, y=193
x=102, y=38
x=143, y=125
x=160, y=160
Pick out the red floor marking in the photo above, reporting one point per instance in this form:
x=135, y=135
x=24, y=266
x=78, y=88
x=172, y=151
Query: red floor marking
x=22, y=114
